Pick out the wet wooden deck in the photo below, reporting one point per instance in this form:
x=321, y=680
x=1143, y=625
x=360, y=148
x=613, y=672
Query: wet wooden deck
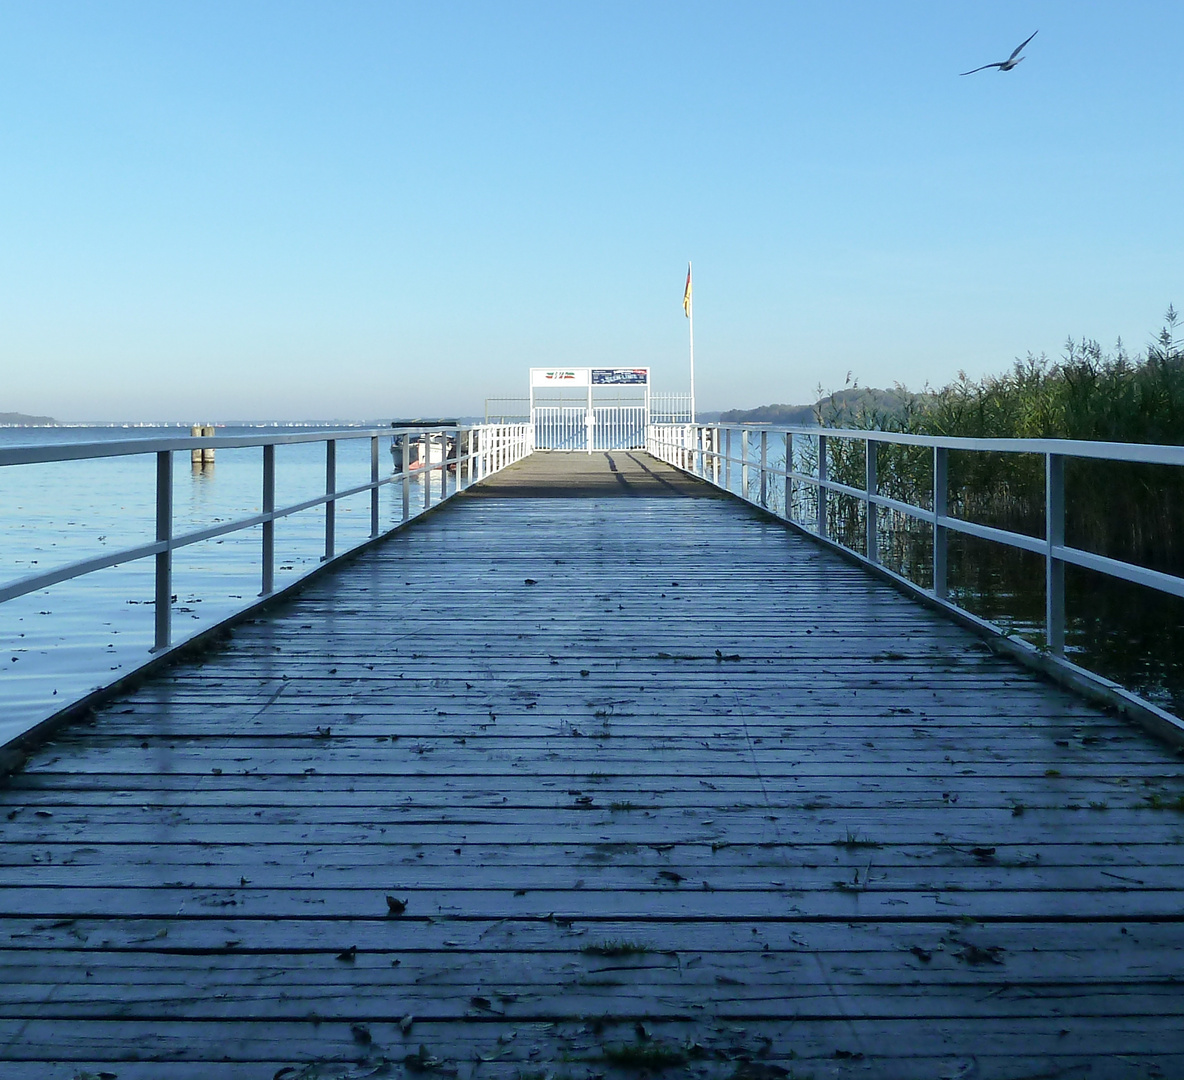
x=658, y=783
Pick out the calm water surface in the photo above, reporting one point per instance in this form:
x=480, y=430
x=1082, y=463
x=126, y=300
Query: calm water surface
x=58, y=644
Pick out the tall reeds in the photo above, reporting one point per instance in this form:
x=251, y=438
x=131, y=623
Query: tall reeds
x=1130, y=512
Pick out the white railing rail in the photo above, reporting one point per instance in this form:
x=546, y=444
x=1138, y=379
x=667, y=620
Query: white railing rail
x=713, y=451
x=469, y=453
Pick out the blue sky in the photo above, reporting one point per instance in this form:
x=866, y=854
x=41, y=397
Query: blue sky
x=352, y=210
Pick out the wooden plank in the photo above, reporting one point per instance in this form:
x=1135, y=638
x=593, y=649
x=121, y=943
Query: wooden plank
x=864, y=834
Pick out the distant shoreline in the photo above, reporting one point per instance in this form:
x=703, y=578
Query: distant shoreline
x=17, y=419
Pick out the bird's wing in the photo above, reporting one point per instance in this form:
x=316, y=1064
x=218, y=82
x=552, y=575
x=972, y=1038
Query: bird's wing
x=983, y=68
x=1019, y=47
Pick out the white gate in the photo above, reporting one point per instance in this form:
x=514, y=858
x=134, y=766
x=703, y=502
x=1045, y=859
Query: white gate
x=565, y=427
x=618, y=423
x=619, y=427
x=560, y=427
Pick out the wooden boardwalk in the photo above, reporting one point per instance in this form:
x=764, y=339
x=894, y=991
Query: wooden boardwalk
x=582, y=787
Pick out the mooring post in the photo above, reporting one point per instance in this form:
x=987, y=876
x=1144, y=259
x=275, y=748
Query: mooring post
x=941, y=480
x=1054, y=568
x=195, y=455
x=268, y=582
x=207, y=453
x=330, y=491
x=871, y=511
x=164, y=559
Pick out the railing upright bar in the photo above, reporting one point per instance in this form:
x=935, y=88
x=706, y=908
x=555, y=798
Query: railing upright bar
x=374, y=490
x=941, y=468
x=164, y=559
x=425, y=468
x=871, y=513
x=788, y=478
x=330, y=490
x=728, y=459
x=406, y=481
x=744, y=463
x=764, y=469
x=267, y=584
x=1054, y=569
x=822, y=492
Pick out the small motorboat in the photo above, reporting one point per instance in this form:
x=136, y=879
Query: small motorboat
x=426, y=445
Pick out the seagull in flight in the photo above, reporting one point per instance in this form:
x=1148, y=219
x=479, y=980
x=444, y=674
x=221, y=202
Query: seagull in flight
x=1009, y=63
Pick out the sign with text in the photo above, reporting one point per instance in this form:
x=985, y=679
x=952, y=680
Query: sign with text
x=620, y=376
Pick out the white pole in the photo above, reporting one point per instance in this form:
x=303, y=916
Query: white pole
x=691, y=321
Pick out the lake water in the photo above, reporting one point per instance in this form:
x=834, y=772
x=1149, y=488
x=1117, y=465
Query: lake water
x=58, y=644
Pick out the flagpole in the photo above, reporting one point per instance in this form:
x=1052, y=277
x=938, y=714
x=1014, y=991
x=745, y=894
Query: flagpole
x=691, y=321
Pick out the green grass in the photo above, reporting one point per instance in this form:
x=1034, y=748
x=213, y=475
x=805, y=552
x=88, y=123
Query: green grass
x=616, y=948
x=853, y=840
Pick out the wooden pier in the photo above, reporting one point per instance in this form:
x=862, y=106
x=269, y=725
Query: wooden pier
x=614, y=780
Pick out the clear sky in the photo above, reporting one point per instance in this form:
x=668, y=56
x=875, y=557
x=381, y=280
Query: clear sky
x=362, y=209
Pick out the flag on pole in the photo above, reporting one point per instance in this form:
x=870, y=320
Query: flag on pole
x=686, y=296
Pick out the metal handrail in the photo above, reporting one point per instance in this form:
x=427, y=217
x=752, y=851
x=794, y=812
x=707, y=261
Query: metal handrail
x=480, y=450
x=704, y=450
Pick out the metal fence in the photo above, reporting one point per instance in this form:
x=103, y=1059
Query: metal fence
x=792, y=472
x=565, y=427
x=449, y=460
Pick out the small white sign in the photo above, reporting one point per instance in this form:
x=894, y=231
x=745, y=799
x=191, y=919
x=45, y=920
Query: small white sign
x=559, y=376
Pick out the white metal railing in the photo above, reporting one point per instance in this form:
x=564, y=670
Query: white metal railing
x=713, y=451
x=467, y=453
x=565, y=427
x=672, y=408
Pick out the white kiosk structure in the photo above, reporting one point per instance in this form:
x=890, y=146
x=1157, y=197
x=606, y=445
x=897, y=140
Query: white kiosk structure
x=589, y=408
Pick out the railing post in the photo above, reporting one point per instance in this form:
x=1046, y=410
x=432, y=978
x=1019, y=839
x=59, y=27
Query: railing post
x=941, y=477
x=406, y=478
x=374, y=490
x=1054, y=568
x=788, y=478
x=728, y=459
x=822, y=492
x=425, y=468
x=268, y=582
x=764, y=467
x=744, y=463
x=871, y=512
x=715, y=456
x=164, y=559
x=330, y=490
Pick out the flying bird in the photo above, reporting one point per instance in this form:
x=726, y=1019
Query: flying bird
x=1009, y=63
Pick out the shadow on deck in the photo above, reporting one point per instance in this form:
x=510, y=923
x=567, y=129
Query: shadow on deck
x=580, y=786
